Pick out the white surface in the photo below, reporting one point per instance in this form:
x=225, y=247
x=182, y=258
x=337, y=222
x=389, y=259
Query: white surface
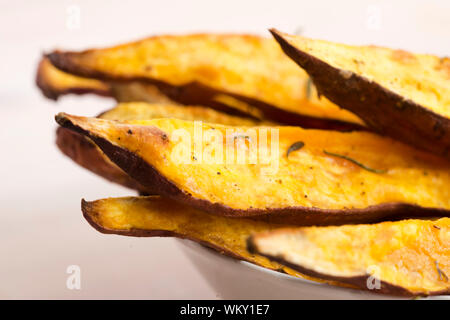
x=41, y=227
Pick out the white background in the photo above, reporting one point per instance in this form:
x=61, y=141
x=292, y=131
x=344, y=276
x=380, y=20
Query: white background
x=41, y=227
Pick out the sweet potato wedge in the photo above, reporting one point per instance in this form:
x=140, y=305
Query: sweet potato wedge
x=155, y=216
x=85, y=153
x=54, y=82
x=200, y=69
x=311, y=176
x=403, y=95
x=408, y=257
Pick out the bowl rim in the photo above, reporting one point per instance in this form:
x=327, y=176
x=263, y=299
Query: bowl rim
x=192, y=245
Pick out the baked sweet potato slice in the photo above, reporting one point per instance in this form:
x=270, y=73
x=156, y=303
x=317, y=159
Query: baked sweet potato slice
x=54, y=82
x=85, y=153
x=408, y=257
x=200, y=69
x=310, y=176
x=397, y=93
x=155, y=216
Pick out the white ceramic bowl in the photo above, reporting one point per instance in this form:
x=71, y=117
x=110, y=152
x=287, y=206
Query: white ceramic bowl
x=234, y=279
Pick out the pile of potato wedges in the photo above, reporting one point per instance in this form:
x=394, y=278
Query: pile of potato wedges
x=359, y=186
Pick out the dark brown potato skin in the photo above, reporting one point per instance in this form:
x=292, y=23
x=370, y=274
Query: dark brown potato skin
x=382, y=110
x=358, y=282
x=199, y=94
x=149, y=177
x=87, y=155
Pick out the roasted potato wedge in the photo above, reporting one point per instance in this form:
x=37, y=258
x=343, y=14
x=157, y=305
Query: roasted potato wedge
x=54, y=82
x=85, y=153
x=397, y=93
x=311, y=176
x=155, y=216
x=409, y=257
x=202, y=69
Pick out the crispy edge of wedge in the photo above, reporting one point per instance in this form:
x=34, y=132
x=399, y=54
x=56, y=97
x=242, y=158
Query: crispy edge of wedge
x=54, y=83
x=359, y=281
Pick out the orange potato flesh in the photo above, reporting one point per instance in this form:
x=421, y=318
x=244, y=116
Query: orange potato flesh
x=247, y=67
x=409, y=257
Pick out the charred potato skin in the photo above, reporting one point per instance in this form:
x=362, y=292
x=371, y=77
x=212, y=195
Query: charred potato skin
x=382, y=110
x=141, y=171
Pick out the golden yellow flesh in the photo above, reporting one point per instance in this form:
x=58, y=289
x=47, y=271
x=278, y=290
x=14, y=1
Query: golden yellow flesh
x=149, y=216
x=422, y=78
x=411, y=254
x=248, y=66
x=55, y=82
x=307, y=178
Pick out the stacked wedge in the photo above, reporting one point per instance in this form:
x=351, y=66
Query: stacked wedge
x=344, y=171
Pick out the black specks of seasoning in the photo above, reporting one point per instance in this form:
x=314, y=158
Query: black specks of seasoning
x=118, y=138
x=442, y=275
x=218, y=172
x=164, y=137
x=294, y=147
x=363, y=193
x=311, y=168
x=306, y=196
x=129, y=131
x=194, y=158
x=436, y=227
